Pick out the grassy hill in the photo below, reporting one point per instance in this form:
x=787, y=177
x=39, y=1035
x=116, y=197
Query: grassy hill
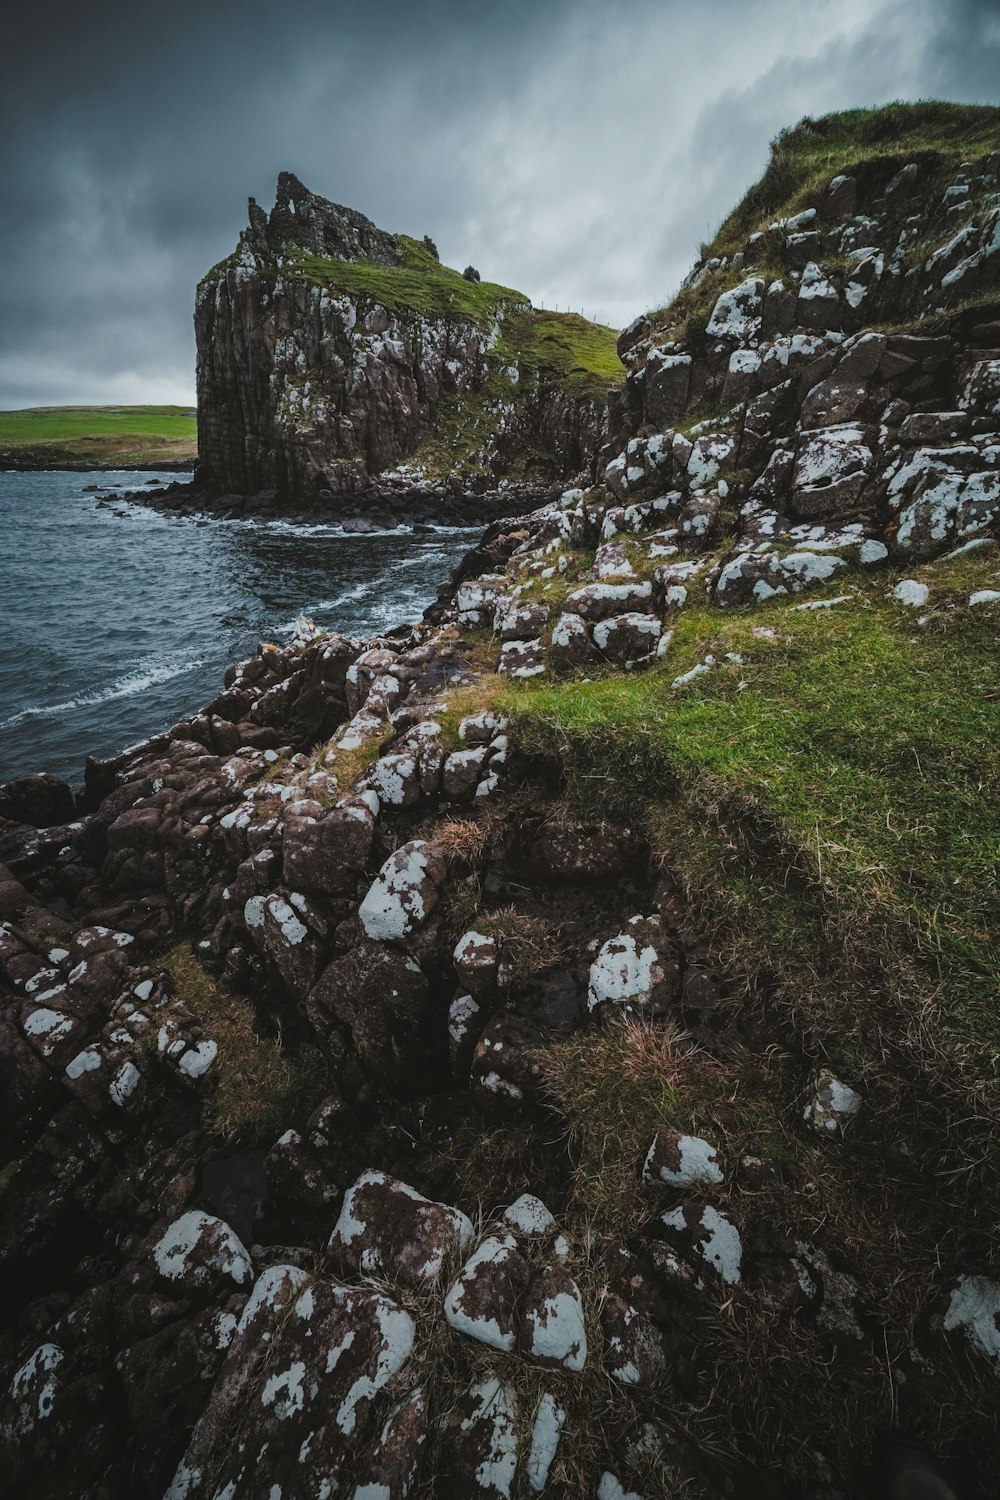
x=857, y=142
x=83, y=437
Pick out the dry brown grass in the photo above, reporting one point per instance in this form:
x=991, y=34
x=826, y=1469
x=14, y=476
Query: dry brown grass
x=260, y=1089
x=615, y=1088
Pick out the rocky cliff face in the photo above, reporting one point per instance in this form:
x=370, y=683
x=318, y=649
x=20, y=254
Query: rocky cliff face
x=329, y=352
x=553, y=1050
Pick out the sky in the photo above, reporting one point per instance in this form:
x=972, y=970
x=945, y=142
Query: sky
x=579, y=150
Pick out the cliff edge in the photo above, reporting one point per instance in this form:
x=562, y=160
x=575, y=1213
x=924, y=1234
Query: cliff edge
x=330, y=353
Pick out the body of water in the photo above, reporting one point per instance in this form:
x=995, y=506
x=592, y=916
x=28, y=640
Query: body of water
x=116, y=622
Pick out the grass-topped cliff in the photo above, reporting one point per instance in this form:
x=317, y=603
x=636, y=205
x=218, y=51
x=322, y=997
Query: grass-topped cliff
x=80, y=437
x=463, y=379
x=869, y=145
x=562, y=348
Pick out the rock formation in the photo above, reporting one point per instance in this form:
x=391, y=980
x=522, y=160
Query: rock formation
x=330, y=353
x=448, y=1064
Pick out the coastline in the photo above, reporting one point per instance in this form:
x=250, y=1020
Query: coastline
x=381, y=507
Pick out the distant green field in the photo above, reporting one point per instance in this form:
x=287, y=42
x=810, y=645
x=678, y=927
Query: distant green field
x=80, y=435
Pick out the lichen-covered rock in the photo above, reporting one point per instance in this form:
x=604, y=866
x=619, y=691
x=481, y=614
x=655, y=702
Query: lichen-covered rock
x=571, y=644
x=484, y=1299
x=392, y=1470
x=331, y=1354
x=197, y=1251
x=680, y=1160
x=831, y=1104
x=522, y=658
x=388, y=1229
x=627, y=638
x=552, y=1328
x=546, y=1430
x=481, y=1442
x=327, y=851
x=634, y=1348
x=974, y=1308
x=832, y=467
x=476, y=959
x=404, y=894
x=599, y=601
x=629, y=969
x=700, y=1230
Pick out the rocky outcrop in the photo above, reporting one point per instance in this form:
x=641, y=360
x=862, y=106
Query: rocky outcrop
x=331, y=353
x=325, y=1011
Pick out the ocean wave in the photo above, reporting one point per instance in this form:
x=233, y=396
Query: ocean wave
x=145, y=675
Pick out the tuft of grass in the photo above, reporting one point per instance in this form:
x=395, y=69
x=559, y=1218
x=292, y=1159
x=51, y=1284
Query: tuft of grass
x=616, y=1088
x=260, y=1087
x=528, y=945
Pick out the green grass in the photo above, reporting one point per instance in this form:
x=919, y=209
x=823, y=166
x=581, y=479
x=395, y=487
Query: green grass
x=564, y=349
x=419, y=284
x=101, y=434
x=805, y=157
x=831, y=805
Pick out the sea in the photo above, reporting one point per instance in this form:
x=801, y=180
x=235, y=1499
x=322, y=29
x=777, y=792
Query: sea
x=117, y=621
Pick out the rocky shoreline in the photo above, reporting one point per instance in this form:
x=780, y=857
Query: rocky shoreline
x=385, y=506
x=30, y=464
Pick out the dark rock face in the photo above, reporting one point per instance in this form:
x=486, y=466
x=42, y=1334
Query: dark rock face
x=311, y=391
x=40, y=801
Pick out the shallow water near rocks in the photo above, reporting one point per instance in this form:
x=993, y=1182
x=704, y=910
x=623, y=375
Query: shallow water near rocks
x=117, y=621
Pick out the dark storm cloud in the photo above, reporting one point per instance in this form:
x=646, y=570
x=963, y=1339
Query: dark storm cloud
x=575, y=149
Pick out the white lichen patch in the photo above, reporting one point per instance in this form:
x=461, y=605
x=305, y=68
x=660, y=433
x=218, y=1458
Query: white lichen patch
x=974, y=1307
x=545, y=1432
x=624, y=973
x=529, y=1215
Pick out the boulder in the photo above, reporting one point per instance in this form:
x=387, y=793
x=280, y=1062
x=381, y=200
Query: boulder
x=627, y=638
x=331, y=1355
x=326, y=852
x=481, y=1442
x=832, y=468
x=388, y=1229
x=380, y=995
x=831, y=1104
x=680, y=1160
x=40, y=801
x=701, y=1231
x=571, y=645
x=629, y=970
x=483, y=1302
x=196, y=1252
x=404, y=893
x=599, y=601
x=552, y=1328
x=476, y=959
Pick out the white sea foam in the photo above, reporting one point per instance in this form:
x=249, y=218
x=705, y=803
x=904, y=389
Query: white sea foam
x=146, y=674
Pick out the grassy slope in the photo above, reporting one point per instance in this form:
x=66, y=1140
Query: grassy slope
x=831, y=804
x=803, y=160
x=563, y=348
x=99, y=435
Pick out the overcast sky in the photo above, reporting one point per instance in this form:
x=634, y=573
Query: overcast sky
x=576, y=149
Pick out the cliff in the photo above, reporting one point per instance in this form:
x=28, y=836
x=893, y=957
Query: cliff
x=330, y=352
x=553, y=1049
